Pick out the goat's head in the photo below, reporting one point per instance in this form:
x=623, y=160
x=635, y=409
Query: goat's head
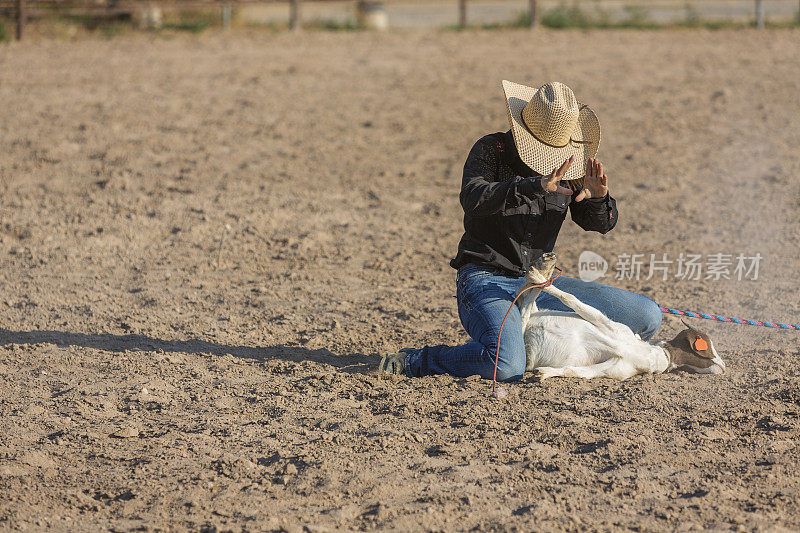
x=691, y=349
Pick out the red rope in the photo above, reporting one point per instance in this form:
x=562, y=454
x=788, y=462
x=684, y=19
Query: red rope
x=503, y=323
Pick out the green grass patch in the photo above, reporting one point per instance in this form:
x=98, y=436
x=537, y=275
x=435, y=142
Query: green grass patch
x=5, y=36
x=573, y=16
x=636, y=16
x=269, y=26
x=192, y=24
x=691, y=18
x=111, y=30
x=189, y=21
x=348, y=24
x=108, y=26
x=565, y=16
x=196, y=21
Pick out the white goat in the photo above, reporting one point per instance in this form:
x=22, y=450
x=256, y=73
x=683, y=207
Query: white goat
x=587, y=344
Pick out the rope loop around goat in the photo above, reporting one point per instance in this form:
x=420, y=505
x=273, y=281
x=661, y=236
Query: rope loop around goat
x=541, y=285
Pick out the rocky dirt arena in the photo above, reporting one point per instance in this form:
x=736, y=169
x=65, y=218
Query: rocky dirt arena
x=207, y=242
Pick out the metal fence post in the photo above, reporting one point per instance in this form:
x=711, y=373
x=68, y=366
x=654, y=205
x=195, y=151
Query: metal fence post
x=21, y=18
x=226, y=16
x=534, y=13
x=462, y=13
x=759, y=14
x=294, y=15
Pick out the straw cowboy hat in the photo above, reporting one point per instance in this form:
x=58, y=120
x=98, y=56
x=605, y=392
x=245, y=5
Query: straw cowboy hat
x=549, y=125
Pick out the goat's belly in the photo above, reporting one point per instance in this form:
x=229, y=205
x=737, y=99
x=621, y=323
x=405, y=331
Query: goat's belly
x=558, y=340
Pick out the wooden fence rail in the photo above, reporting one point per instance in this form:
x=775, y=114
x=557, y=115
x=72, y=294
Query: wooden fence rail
x=22, y=10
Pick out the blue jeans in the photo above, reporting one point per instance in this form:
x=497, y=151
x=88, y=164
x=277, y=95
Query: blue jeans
x=484, y=295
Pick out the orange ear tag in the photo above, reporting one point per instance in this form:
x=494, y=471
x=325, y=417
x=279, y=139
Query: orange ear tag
x=700, y=344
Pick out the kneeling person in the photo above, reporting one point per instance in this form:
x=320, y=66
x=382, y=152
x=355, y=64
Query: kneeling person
x=516, y=190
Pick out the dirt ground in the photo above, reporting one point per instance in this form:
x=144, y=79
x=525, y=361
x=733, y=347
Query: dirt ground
x=206, y=242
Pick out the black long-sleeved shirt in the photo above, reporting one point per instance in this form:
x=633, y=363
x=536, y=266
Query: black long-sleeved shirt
x=509, y=220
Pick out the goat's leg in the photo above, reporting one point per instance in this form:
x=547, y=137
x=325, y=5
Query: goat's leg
x=586, y=372
x=585, y=311
x=540, y=272
x=527, y=302
x=527, y=305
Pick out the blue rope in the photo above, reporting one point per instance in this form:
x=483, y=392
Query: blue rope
x=721, y=318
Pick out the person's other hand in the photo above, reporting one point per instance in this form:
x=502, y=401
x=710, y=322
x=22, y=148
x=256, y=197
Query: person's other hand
x=595, y=184
x=550, y=183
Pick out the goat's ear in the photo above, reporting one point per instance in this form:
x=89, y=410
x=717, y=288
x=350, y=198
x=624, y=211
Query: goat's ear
x=700, y=343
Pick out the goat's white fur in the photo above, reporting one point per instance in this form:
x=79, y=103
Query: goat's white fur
x=586, y=343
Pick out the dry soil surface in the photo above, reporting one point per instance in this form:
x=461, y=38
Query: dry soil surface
x=206, y=242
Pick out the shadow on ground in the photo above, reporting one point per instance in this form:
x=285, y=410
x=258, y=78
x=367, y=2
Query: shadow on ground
x=122, y=343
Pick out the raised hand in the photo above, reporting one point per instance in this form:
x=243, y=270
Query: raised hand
x=595, y=184
x=550, y=183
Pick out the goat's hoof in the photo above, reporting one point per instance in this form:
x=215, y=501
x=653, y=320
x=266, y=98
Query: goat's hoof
x=544, y=260
x=540, y=374
x=543, y=267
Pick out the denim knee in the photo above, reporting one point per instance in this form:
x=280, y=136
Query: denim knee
x=651, y=318
x=510, y=364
